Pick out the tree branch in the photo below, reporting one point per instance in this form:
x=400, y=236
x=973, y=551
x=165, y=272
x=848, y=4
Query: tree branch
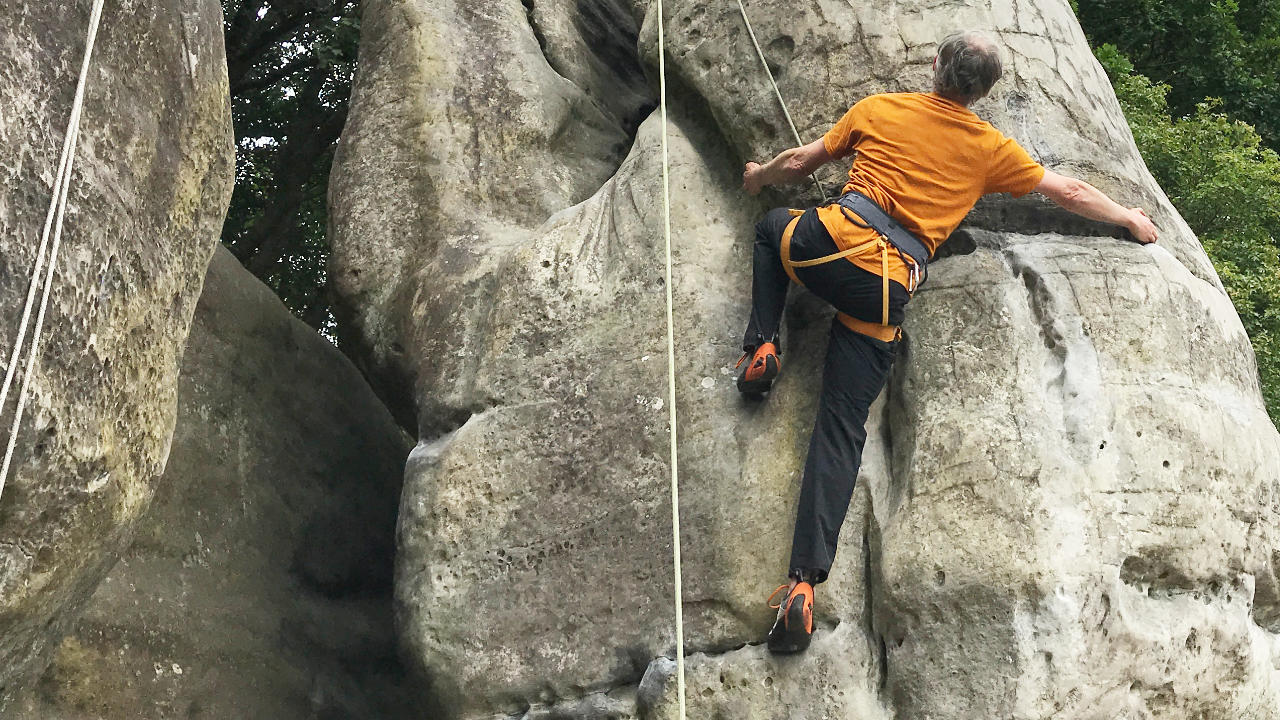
x=270, y=237
x=244, y=86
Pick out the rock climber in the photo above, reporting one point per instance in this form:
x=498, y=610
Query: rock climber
x=922, y=161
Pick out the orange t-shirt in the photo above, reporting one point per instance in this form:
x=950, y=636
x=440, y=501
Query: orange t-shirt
x=926, y=160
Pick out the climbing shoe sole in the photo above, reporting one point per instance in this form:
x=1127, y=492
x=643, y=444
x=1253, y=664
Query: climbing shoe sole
x=788, y=634
x=762, y=383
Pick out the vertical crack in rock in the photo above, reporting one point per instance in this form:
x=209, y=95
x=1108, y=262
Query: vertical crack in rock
x=1071, y=373
x=869, y=606
x=612, y=34
x=897, y=432
x=538, y=35
x=591, y=44
x=1041, y=302
x=596, y=20
x=1266, y=600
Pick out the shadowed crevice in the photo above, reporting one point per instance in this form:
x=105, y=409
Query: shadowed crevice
x=1035, y=215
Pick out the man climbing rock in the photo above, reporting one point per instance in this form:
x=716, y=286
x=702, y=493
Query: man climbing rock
x=922, y=161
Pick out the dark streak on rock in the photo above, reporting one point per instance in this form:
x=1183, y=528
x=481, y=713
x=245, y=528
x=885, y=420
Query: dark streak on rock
x=1033, y=215
x=537, y=31
x=868, y=579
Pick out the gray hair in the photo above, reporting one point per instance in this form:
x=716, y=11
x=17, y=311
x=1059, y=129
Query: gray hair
x=968, y=65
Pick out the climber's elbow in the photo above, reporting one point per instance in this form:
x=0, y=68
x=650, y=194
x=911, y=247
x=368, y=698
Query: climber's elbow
x=794, y=162
x=1068, y=192
x=806, y=159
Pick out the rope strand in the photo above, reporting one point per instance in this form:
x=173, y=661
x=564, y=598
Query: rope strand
x=53, y=220
x=671, y=368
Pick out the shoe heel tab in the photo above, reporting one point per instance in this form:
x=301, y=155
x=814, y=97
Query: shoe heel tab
x=774, y=594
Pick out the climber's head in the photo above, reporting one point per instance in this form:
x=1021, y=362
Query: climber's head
x=967, y=65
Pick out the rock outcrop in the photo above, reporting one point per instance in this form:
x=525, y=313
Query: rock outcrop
x=260, y=583
x=151, y=185
x=503, y=126
x=1068, y=507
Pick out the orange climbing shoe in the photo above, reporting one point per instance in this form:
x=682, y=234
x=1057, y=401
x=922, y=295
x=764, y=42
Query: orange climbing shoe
x=759, y=375
x=793, y=629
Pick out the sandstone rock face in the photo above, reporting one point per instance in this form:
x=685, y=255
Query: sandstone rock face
x=151, y=184
x=491, y=127
x=565, y=472
x=1068, y=504
x=260, y=583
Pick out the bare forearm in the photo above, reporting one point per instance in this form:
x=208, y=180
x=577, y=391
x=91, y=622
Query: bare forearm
x=1087, y=200
x=1084, y=199
x=788, y=167
x=785, y=168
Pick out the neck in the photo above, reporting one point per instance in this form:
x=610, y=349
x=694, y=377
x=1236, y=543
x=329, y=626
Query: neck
x=949, y=98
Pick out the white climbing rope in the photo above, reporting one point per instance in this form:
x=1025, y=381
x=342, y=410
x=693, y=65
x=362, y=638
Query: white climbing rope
x=53, y=222
x=671, y=367
x=795, y=133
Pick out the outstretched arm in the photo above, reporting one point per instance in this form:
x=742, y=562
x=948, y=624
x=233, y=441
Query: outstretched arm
x=789, y=166
x=1084, y=199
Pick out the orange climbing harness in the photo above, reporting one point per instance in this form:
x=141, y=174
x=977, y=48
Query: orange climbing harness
x=881, y=331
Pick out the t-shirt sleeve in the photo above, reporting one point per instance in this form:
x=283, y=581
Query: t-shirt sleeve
x=841, y=140
x=1012, y=170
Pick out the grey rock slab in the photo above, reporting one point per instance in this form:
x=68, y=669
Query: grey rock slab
x=1082, y=491
x=548, y=512
x=836, y=677
x=839, y=676
x=259, y=585
x=471, y=124
x=151, y=184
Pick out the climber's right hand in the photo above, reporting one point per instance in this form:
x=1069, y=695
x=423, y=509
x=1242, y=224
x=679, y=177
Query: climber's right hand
x=751, y=178
x=1141, y=226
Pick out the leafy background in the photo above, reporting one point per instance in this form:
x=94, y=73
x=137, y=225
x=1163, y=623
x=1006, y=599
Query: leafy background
x=290, y=64
x=1199, y=81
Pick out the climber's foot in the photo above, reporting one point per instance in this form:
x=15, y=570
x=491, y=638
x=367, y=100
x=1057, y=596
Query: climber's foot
x=793, y=629
x=758, y=376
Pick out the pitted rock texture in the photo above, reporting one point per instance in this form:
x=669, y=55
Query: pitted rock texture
x=835, y=678
x=151, y=184
x=502, y=114
x=1019, y=549
x=566, y=471
x=259, y=585
x=1080, y=495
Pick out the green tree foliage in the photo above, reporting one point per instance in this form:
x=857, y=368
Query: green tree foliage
x=1226, y=184
x=290, y=64
x=1227, y=49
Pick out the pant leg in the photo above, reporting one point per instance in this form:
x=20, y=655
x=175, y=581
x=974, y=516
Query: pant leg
x=769, y=281
x=854, y=373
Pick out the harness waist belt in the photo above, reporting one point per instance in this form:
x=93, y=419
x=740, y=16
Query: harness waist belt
x=880, y=221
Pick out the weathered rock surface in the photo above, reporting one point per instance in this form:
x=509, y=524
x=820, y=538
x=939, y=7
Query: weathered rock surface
x=1069, y=505
x=565, y=471
x=834, y=678
x=151, y=185
x=492, y=116
x=260, y=584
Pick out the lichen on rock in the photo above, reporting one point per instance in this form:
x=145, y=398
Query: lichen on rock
x=149, y=190
x=259, y=583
